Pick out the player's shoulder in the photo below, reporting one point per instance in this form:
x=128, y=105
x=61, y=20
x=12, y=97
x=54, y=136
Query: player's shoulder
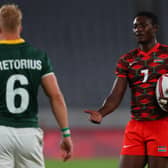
x=130, y=54
x=163, y=47
x=35, y=50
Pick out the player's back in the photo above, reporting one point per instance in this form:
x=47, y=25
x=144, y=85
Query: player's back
x=21, y=69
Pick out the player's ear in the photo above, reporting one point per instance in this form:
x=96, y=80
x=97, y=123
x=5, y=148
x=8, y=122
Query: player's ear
x=20, y=29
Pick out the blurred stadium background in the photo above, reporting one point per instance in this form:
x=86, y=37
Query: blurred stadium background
x=84, y=39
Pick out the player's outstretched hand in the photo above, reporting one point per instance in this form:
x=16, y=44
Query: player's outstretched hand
x=95, y=117
x=67, y=148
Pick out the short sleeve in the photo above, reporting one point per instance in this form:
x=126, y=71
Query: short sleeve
x=46, y=65
x=122, y=67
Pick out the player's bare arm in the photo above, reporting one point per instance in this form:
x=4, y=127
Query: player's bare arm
x=112, y=101
x=52, y=90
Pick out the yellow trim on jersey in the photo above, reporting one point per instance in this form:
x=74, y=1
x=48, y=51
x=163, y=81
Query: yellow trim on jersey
x=17, y=41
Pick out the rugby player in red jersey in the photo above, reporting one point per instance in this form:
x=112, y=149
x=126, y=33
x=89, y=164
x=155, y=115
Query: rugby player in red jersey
x=146, y=136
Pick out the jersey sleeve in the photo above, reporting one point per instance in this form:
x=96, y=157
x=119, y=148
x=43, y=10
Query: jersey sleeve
x=122, y=67
x=46, y=66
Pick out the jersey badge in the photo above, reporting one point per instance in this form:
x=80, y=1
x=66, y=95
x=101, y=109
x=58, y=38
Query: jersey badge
x=162, y=149
x=158, y=60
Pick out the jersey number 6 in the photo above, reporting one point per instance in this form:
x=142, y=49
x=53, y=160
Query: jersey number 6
x=12, y=92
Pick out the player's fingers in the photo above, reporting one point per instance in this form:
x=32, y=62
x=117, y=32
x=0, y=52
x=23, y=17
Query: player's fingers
x=67, y=149
x=67, y=156
x=94, y=116
x=95, y=122
x=96, y=119
x=89, y=111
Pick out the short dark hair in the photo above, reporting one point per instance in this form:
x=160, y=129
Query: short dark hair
x=150, y=15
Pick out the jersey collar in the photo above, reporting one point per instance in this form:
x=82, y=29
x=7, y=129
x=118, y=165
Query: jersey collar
x=154, y=49
x=17, y=41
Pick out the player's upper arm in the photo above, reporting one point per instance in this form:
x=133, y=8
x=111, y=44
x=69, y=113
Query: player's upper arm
x=50, y=85
x=119, y=87
x=115, y=97
x=120, y=83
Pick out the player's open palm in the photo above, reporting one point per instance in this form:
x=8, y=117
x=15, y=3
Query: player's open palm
x=95, y=116
x=67, y=148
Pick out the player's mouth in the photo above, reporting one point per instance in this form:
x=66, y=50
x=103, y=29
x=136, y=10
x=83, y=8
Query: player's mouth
x=140, y=36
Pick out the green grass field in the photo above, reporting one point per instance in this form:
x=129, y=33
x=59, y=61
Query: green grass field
x=83, y=163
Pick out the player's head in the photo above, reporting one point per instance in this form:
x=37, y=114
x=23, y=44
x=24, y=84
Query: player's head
x=145, y=26
x=149, y=15
x=10, y=18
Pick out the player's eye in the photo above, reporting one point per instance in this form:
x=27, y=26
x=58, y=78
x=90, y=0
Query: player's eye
x=143, y=25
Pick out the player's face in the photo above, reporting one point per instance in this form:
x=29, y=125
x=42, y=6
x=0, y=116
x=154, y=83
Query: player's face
x=143, y=29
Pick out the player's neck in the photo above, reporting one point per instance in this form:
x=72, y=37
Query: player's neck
x=148, y=46
x=10, y=36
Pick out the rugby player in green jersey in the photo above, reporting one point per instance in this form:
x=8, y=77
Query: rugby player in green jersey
x=23, y=69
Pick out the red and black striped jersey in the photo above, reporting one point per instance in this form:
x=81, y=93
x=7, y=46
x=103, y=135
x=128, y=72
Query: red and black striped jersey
x=142, y=71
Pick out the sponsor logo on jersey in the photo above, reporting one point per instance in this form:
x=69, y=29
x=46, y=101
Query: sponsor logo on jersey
x=132, y=63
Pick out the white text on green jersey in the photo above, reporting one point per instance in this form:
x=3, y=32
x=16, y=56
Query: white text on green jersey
x=17, y=64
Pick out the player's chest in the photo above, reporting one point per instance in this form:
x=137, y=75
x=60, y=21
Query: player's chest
x=145, y=68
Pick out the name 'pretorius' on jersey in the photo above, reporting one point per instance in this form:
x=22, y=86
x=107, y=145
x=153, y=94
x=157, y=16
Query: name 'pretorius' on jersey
x=20, y=64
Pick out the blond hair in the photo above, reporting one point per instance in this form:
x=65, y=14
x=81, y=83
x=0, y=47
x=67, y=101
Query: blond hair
x=10, y=17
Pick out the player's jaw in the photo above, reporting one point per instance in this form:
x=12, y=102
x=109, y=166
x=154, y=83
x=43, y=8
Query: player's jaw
x=140, y=37
x=144, y=37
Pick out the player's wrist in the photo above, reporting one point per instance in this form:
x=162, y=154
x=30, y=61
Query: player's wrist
x=66, y=132
x=102, y=113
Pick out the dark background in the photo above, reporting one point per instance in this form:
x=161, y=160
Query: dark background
x=84, y=39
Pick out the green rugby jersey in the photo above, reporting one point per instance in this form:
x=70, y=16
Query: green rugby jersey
x=21, y=69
